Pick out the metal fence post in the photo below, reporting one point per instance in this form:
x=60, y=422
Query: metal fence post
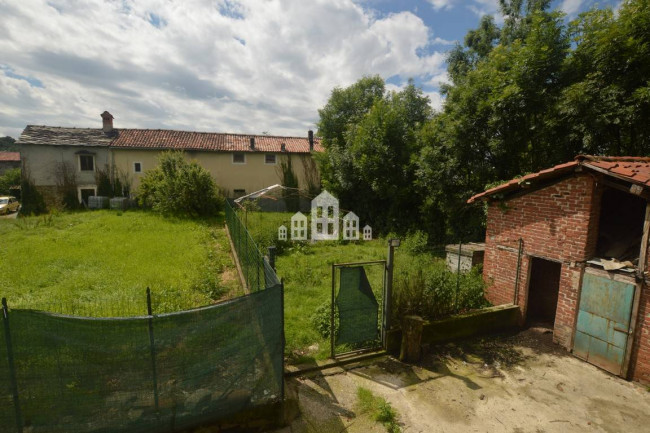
x=152, y=348
x=460, y=251
x=12, y=368
x=284, y=342
x=332, y=330
x=388, y=297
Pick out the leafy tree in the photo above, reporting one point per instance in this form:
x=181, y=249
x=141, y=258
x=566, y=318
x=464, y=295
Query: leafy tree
x=8, y=144
x=178, y=187
x=9, y=179
x=369, y=160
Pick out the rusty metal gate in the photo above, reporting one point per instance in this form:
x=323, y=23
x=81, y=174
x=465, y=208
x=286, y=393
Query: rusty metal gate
x=604, y=322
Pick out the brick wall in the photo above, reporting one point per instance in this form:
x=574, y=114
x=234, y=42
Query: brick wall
x=558, y=222
x=640, y=360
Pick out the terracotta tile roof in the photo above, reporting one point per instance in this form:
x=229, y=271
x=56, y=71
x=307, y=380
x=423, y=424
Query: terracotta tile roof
x=629, y=168
x=10, y=156
x=164, y=139
x=210, y=141
x=57, y=136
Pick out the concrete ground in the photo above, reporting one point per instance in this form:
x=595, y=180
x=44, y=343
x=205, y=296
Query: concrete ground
x=511, y=383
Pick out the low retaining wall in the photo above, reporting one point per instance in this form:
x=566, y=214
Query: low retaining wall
x=418, y=332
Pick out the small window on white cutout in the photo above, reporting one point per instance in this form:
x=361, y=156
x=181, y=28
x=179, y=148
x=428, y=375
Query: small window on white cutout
x=137, y=167
x=239, y=158
x=269, y=158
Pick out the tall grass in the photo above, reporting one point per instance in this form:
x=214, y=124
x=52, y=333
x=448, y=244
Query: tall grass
x=100, y=263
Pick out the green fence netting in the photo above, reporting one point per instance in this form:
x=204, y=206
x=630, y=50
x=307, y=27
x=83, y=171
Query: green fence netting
x=357, y=306
x=144, y=374
x=254, y=268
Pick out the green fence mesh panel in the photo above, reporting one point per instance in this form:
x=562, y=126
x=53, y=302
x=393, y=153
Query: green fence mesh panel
x=250, y=259
x=99, y=375
x=357, y=306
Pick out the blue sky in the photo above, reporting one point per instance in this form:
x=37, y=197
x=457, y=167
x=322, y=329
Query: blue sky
x=244, y=66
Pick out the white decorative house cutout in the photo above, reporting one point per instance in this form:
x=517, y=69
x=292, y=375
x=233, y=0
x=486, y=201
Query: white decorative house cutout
x=351, y=227
x=282, y=233
x=325, y=217
x=367, y=233
x=299, y=227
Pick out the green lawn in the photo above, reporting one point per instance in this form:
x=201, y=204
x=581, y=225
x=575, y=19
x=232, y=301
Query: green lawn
x=100, y=263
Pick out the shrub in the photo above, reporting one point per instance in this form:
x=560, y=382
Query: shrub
x=427, y=288
x=178, y=187
x=9, y=179
x=416, y=242
x=321, y=320
x=32, y=200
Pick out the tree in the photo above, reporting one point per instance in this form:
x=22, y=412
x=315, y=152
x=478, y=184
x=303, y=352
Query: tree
x=370, y=137
x=178, y=187
x=8, y=144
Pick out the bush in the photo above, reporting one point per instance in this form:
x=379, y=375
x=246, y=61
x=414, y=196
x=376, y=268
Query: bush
x=416, y=242
x=9, y=179
x=178, y=187
x=427, y=288
x=321, y=320
x=32, y=200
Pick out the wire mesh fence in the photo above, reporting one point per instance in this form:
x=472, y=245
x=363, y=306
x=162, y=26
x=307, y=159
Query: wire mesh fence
x=256, y=271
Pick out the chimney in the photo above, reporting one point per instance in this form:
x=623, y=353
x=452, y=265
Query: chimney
x=107, y=120
x=253, y=143
x=310, y=135
x=283, y=147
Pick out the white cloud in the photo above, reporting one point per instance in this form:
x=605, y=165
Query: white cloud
x=442, y=4
x=224, y=65
x=571, y=6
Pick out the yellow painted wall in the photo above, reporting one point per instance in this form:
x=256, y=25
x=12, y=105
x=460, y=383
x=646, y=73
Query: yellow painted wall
x=252, y=176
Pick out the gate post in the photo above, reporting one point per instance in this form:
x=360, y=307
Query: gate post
x=388, y=290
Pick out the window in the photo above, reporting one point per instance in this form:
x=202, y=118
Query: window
x=239, y=158
x=87, y=162
x=269, y=158
x=137, y=167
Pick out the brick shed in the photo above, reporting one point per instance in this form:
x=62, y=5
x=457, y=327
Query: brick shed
x=568, y=245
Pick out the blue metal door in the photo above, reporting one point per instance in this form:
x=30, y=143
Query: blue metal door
x=604, y=322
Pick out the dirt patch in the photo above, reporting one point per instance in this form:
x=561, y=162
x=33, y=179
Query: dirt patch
x=513, y=383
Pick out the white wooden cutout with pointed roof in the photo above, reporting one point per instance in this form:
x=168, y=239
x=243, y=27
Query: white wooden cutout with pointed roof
x=282, y=233
x=367, y=233
x=325, y=217
x=351, y=226
x=299, y=227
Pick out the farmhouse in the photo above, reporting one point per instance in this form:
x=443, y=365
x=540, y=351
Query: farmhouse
x=9, y=160
x=239, y=163
x=568, y=245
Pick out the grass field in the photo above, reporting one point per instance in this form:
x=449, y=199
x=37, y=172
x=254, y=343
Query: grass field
x=100, y=263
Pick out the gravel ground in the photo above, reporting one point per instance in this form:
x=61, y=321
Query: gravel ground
x=510, y=383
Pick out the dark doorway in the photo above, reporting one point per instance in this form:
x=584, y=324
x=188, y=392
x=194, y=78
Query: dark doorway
x=543, y=290
x=85, y=193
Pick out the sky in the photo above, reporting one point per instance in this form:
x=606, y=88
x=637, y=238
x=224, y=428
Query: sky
x=238, y=66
